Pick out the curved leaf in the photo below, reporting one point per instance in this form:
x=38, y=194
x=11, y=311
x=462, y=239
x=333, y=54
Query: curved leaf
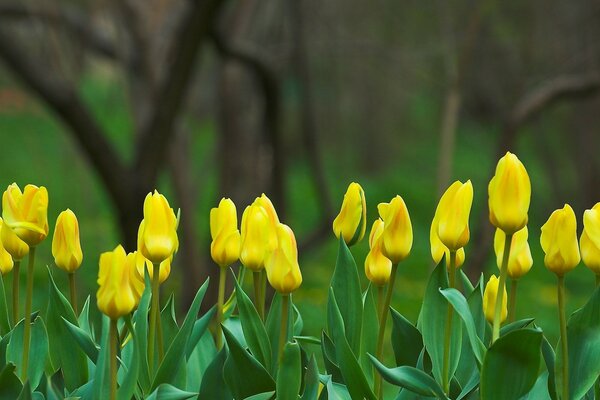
x=213, y=386
x=407, y=341
x=289, y=373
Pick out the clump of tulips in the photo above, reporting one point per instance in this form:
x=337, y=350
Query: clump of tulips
x=466, y=343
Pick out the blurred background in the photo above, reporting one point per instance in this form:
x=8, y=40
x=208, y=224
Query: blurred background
x=102, y=101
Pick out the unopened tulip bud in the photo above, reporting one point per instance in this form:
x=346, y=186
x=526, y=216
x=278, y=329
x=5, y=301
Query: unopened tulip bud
x=6, y=260
x=283, y=271
x=66, y=248
x=489, y=300
x=520, y=260
x=452, y=215
x=26, y=213
x=559, y=241
x=13, y=244
x=258, y=234
x=351, y=222
x=115, y=296
x=142, y=264
x=157, y=235
x=378, y=267
x=225, y=246
x=397, y=236
x=590, y=239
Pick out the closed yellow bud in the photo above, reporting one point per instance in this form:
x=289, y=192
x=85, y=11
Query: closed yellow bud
x=6, y=260
x=351, y=222
x=283, y=271
x=115, y=296
x=489, y=300
x=136, y=280
x=519, y=259
x=509, y=195
x=66, y=248
x=590, y=239
x=378, y=267
x=266, y=203
x=26, y=213
x=157, y=236
x=258, y=236
x=397, y=234
x=13, y=244
x=559, y=241
x=452, y=215
x=225, y=246
x=142, y=263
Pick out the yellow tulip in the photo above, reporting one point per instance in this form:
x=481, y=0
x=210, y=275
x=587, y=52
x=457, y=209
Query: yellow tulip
x=26, y=213
x=12, y=243
x=6, y=260
x=590, y=239
x=438, y=250
x=142, y=263
x=489, y=300
x=378, y=267
x=452, y=215
x=136, y=278
x=258, y=236
x=283, y=271
x=519, y=261
x=115, y=296
x=397, y=235
x=225, y=246
x=157, y=236
x=266, y=203
x=351, y=222
x=66, y=248
x=559, y=241
x=509, y=195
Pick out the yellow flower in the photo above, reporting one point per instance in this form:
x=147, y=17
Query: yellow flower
x=266, y=203
x=378, y=267
x=225, y=246
x=115, y=297
x=519, y=259
x=6, y=260
x=559, y=241
x=26, y=213
x=397, y=235
x=136, y=281
x=351, y=222
x=13, y=244
x=489, y=300
x=157, y=236
x=258, y=235
x=509, y=195
x=283, y=271
x=66, y=248
x=452, y=215
x=142, y=263
x=590, y=239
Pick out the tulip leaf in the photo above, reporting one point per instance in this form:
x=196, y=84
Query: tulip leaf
x=311, y=380
x=199, y=359
x=465, y=281
x=289, y=373
x=539, y=390
x=128, y=384
x=336, y=391
x=549, y=357
x=168, y=392
x=468, y=367
x=369, y=333
x=410, y=378
x=83, y=321
x=169, y=322
x=254, y=330
x=84, y=340
x=329, y=358
x=38, y=349
x=510, y=366
x=407, y=341
x=520, y=324
x=4, y=319
x=213, y=386
x=273, y=326
x=198, y=331
x=140, y=321
x=346, y=287
x=9, y=382
x=100, y=388
x=262, y=396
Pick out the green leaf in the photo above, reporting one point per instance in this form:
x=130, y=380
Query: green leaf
x=198, y=361
x=83, y=321
x=465, y=281
x=261, y=396
x=254, y=330
x=244, y=375
x=510, y=365
x=369, y=332
x=289, y=373
x=25, y=392
x=83, y=340
x=407, y=341
x=10, y=385
x=520, y=324
x=100, y=388
x=329, y=358
x=168, y=392
x=169, y=322
x=128, y=385
x=336, y=391
x=548, y=353
x=4, y=320
x=38, y=349
x=273, y=327
x=213, y=386
x=199, y=330
x=346, y=287
x=140, y=320
x=410, y=378
x=539, y=390
x=308, y=340
x=311, y=380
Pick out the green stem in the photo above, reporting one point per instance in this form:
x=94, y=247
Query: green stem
x=113, y=358
x=221, y=298
x=15, y=292
x=159, y=337
x=448, y=327
x=283, y=333
x=257, y=294
x=154, y=313
x=27, y=322
x=512, y=309
x=501, y=288
x=563, y=337
x=380, y=300
x=263, y=289
x=597, y=279
x=73, y=292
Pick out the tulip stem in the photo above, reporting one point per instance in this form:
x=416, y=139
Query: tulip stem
x=258, y=294
x=220, y=300
x=15, y=292
x=501, y=288
x=512, y=309
x=113, y=358
x=154, y=314
x=27, y=322
x=73, y=292
x=448, y=327
x=382, y=322
x=563, y=337
x=285, y=304
x=376, y=376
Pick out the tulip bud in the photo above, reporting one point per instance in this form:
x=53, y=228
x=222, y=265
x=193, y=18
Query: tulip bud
x=519, y=260
x=283, y=271
x=12, y=243
x=590, y=239
x=142, y=263
x=115, y=297
x=509, y=195
x=258, y=236
x=378, y=267
x=225, y=246
x=397, y=234
x=351, y=222
x=267, y=205
x=157, y=236
x=559, y=241
x=26, y=213
x=452, y=215
x=489, y=300
x=136, y=281
x=66, y=248
x=6, y=260
x=438, y=250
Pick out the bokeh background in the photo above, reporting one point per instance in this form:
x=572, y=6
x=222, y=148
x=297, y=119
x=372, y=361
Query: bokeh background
x=102, y=101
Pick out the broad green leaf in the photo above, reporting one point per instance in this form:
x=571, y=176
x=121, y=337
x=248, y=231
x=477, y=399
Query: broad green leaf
x=520, y=324
x=298, y=323
x=410, y=378
x=329, y=358
x=101, y=384
x=128, y=385
x=83, y=320
x=510, y=366
x=83, y=340
x=308, y=340
x=336, y=391
x=4, y=319
x=273, y=326
x=140, y=321
x=262, y=396
x=213, y=386
x=370, y=326
x=25, y=392
x=407, y=341
x=465, y=281
x=311, y=380
x=198, y=361
x=10, y=385
x=38, y=349
x=289, y=373
x=549, y=357
x=199, y=330
x=346, y=287
x=467, y=372
x=168, y=392
x=539, y=390
x=168, y=321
